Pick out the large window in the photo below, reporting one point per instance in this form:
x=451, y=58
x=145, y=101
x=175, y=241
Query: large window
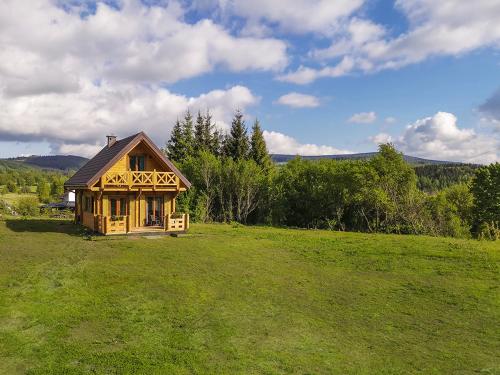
x=137, y=162
x=118, y=206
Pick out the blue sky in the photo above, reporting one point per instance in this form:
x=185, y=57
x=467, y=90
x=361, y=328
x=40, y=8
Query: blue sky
x=322, y=76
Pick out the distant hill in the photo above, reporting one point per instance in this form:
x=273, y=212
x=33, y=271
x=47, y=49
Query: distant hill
x=281, y=158
x=61, y=162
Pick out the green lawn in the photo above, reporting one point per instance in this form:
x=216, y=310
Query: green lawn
x=12, y=198
x=249, y=300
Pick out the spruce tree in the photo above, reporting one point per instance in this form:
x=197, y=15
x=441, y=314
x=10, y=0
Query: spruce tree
x=237, y=144
x=181, y=142
x=174, y=149
x=217, y=143
x=258, y=150
x=200, y=140
x=188, y=136
x=209, y=134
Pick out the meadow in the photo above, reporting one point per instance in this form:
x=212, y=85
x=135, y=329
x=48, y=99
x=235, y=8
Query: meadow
x=252, y=300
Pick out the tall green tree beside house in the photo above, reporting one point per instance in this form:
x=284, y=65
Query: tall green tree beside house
x=188, y=132
x=486, y=191
x=174, y=149
x=236, y=143
x=201, y=138
x=214, y=136
x=206, y=137
x=181, y=142
x=258, y=148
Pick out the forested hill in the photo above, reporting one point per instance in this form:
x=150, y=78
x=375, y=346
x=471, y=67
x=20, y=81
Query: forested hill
x=432, y=175
x=61, y=162
x=281, y=158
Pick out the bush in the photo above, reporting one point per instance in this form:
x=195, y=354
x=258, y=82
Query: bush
x=3, y=207
x=28, y=206
x=488, y=231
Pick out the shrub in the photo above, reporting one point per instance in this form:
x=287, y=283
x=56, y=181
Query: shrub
x=28, y=206
x=3, y=207
x=488, y=231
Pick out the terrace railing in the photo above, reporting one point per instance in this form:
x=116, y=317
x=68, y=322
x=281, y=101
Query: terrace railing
x=176, y=222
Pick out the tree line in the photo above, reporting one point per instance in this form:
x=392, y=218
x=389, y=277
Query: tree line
x=234, y=179
x=434, y=177
x=48, y=185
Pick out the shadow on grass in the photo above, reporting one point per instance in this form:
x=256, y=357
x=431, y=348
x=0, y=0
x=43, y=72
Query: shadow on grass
x=44, y=225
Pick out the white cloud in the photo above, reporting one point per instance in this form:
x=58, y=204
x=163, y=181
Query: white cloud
x=297, y=100
x=304, y=75
x=279, y=143
x=48, y=49
x=381, y=138
x=363, y=118
x=68, y=79
x=77, y=122
x=297, y=16
x=439, y=137
x=436, y=28
x=390, y=120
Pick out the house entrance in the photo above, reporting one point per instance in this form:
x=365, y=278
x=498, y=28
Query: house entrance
x=154, y=211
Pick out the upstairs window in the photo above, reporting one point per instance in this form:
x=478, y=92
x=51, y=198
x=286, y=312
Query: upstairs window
x=137, y=162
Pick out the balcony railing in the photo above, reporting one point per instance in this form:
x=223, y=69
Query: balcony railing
x=140, y=179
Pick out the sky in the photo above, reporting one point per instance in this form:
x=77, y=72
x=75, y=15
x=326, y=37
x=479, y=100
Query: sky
x=322, y=76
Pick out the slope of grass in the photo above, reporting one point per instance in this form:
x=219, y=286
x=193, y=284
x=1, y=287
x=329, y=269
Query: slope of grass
x=13, y=198
x=245, y=300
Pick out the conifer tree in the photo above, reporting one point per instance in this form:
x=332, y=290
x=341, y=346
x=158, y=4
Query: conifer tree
x=200, y=140
x=174, y=149
x=181, y=142
x=258, y=150
x=188, y=136
x=210, y=134
x=237, y=144
x=217, y=143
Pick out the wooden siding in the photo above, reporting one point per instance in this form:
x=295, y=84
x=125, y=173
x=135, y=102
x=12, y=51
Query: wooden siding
x=100, y=219
x=162, y=185
x=88, y=220
x=150, y=161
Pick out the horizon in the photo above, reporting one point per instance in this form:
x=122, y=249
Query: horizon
x=322, y=77
x=271, y=154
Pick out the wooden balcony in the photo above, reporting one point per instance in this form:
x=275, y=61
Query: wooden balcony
x=135, y=180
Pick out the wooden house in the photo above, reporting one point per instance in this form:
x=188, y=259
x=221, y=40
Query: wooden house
x=128, y=187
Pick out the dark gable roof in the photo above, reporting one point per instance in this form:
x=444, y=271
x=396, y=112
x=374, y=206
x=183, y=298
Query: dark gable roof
x=88, y=175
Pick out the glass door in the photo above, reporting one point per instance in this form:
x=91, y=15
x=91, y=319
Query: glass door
x=154, y=211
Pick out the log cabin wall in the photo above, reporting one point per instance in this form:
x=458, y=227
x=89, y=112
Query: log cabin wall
x=158, y=178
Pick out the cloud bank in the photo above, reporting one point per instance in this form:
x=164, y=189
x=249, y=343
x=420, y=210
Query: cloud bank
x=70, y=78
x=440, y=137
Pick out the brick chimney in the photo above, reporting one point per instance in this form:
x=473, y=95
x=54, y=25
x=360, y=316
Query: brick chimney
x=111, y=140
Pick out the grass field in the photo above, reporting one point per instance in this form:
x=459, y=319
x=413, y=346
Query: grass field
x=12, y=198
x=249, y=300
